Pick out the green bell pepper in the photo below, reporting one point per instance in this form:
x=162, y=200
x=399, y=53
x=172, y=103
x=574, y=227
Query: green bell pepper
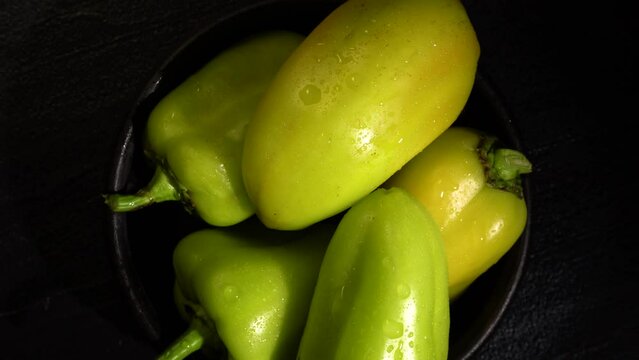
x=194, y=135
x=372, y=85
x=472, y=187
x=246, y=292
x=382, y=288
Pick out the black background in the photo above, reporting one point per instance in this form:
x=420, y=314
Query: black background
x=71, y=73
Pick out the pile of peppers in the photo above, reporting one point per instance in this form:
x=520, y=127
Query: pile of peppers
x=345, y=209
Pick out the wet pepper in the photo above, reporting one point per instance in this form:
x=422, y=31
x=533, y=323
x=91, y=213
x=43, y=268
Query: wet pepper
x=195, y=133
x=372, y=85
x=246, y=293
x=382, y=288
x=472, y=187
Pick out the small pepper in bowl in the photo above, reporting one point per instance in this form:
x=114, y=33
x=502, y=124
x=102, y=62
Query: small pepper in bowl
x=382, y=287
x=194, y=135
x=246, y=292
x=472, y=186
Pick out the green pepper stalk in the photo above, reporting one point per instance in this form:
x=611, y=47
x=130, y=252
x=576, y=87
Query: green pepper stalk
x=502, y=167
x=159, y=189
x=194, y=135
x=382, y=288
x=191, y=341
x=246, y=293
x=188, y=343
x=472, y=187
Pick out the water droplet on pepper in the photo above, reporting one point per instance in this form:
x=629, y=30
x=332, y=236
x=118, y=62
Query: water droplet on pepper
x=310, y=94
x=393, y=329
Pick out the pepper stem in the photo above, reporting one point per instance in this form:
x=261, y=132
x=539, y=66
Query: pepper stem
x=503, y=167
x=189, y=342
x=510, y=163
x=157, y=190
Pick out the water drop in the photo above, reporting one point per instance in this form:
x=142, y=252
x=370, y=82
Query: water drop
x=393, y=329
x=310, y=94
x=231, y=293
x=338, y=300
x=403, y=291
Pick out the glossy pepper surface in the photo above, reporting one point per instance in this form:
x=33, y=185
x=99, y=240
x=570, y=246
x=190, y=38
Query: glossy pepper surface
x=382, y=289
x=370, y=87
x=472, y=187
x=247, y=292
x=195, y=133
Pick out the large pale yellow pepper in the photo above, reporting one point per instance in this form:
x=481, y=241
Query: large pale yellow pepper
x=372, y=85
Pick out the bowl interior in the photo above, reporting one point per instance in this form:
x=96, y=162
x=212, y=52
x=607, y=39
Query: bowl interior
x=143, y=241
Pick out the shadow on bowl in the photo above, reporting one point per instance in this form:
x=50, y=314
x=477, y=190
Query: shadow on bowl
x=143, y=241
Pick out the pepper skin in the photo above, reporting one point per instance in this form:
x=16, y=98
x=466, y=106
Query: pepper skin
x=372, y=85
x=381, y=292
x=472, y=187
x=195, y=133
x=249, y=291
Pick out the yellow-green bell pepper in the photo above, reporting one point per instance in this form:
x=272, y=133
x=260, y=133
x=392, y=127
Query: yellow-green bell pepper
x=372, y=85
x=472, y=187
x=246, y=291
x=382, y=287
x=194, y=135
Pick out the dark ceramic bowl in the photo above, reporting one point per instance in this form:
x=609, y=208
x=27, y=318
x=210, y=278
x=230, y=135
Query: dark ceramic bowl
x=143, y=241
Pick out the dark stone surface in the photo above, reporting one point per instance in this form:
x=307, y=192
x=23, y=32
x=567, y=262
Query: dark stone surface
x=73, y=70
